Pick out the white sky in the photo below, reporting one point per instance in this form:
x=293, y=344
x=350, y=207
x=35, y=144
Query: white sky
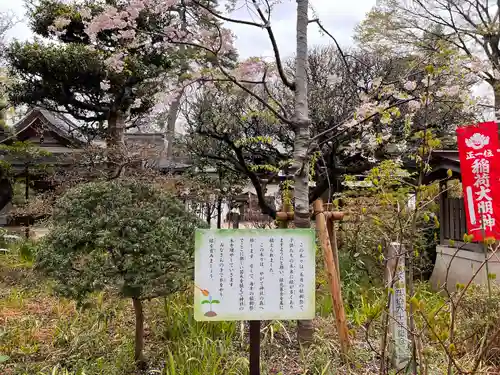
x=338, y=16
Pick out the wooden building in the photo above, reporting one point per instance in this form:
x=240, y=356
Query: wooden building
x=60, y=140
x=456, y=261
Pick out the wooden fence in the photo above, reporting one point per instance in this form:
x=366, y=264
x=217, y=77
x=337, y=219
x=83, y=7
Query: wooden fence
x=453, y=222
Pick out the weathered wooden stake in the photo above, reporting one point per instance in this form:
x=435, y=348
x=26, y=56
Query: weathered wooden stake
x=330, y=223
x=333, y=277
x=395, y=275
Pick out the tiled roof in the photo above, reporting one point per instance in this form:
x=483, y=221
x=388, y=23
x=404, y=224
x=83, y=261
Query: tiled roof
x=70, y=130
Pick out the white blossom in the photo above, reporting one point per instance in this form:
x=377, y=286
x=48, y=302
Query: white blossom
x=334, y=79
x=105, y=85
x=410, y=85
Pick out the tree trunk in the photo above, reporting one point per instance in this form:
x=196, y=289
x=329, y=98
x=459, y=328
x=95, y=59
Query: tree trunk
x=208, y=211
x=116, y=129
x=27, y=197
x=139, y=358
x=6, y=192
x=115, y=143
x=173, y=111
x=305, y=329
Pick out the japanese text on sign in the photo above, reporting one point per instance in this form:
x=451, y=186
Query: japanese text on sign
x=478, y=147
x=254, y=274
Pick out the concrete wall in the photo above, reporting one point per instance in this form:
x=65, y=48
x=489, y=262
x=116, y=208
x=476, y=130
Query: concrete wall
x=463, y=265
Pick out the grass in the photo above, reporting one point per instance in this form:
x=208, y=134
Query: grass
x=42, y=334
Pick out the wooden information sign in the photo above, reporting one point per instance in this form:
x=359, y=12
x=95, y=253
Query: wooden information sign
x=254, y=274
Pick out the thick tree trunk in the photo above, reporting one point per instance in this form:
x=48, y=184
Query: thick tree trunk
x=116, y=129
x=139, y=358
x=175, y=106
x=173, y=113
x=305, y=329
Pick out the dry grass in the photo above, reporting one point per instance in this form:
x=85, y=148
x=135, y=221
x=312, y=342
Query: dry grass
x=39, y=331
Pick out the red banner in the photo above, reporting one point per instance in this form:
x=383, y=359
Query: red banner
x=478, y=147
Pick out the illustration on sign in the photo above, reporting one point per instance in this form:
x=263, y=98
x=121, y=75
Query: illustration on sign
x=209, y=301
x=254, y=274
x=478, y=147
x=477, y=141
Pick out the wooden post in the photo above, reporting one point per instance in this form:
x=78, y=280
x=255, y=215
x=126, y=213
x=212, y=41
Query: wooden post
x=443, y=194
x=254, y=330
x=254, y=347
x=330, y=223
x=27, y=197
x=398, y=326
x=333, y=277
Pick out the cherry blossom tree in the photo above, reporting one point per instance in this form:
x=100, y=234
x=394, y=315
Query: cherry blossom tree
x=108, y=65
x=468, y=26
x=216, y=44
x=242, y=136
x=381, y=99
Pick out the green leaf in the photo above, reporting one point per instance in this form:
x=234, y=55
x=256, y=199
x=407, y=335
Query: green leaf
x=215, y=301
x=205, y=301
x=4, y=358
x=119, y=230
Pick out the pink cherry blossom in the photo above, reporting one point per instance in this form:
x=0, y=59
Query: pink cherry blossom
x=115, y=62
x=135, y=7
x=366, y=110
x=227, y=40
x=137, y=103
x=414, y=105
x=127, y=34
x=85, y=13
x=252, y=68
x=376, y=82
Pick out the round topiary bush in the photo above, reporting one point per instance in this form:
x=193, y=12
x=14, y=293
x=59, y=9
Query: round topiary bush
x=123, y=236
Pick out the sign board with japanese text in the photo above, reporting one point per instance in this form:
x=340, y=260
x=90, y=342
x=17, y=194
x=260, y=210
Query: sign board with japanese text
x=254, y=274
x=479, y=166
x=399, y=317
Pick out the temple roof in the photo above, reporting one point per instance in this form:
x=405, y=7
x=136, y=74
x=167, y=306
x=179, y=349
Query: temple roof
x=442, y=161
x=57, y=134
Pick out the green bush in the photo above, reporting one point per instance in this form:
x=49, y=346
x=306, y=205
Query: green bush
x=121, y=236
x=477, y=320
x=27, y=250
